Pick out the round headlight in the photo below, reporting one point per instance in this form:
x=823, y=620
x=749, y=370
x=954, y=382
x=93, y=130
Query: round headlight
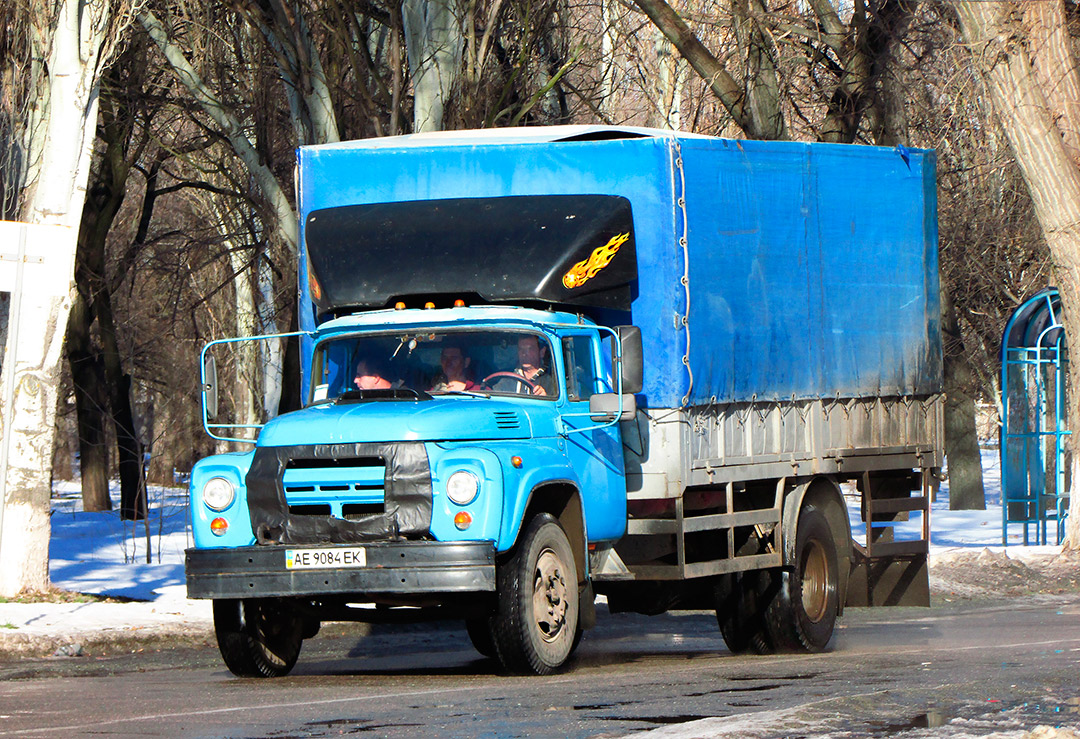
x=462, y=487
x=218, y=493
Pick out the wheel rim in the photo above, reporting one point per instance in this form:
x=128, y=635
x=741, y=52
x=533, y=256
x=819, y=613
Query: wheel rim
x=815, y=581
x=549, y=596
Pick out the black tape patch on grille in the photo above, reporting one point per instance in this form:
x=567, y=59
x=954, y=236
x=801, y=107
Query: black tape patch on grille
x=406, y=510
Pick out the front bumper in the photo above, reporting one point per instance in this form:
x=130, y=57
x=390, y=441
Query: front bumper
x=398, y=568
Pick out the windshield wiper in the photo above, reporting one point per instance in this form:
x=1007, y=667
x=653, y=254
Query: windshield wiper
x=470, y=393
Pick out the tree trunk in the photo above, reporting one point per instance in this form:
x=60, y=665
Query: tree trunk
x=608, y=66
x=961, y=437
x=669, y=75
x=165, y=436
x=66, y=443
x=246, y=354
x=435, y=45
x=290, y=383
x=1055, y=68
x=711, y=69
x=33, y=357
x=90, y=409
x=129, y=454
x=272, y=351
x=99, y=213
x=994, y=32
x=297, y=56
x=79, y=45
x=762, y=82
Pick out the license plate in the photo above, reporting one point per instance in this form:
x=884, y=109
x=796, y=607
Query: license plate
x=311, y=559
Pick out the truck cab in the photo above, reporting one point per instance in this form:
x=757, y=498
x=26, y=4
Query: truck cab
x=396, y=484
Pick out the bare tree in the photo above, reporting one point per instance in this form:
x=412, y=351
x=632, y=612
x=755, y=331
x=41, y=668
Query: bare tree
x=1040, y=125
x=70, y=44
x=851, y=85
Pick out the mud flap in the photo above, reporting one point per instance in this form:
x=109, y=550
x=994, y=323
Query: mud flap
x=587, y=606
x=889, y=582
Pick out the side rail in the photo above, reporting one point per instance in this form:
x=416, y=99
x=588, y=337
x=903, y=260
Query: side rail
x=208, y=382
x=678, y=542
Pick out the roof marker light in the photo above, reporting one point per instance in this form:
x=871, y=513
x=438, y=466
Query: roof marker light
x=459, y=303
x=399, y=305
x=428, y=305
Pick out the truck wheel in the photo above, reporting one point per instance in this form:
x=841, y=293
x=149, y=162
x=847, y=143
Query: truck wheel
x=311, y=627
x=803, y=613
x=536, y=616
x=479, y=631
x=258, y=638
x=740, y=611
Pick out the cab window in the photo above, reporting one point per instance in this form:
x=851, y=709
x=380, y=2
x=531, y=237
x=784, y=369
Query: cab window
x=579, y=358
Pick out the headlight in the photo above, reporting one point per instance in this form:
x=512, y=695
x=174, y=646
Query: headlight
x=462, y=487
x=218, y=493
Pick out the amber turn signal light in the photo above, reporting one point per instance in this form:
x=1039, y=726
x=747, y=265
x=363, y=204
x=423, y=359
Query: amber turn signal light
x=219, y=526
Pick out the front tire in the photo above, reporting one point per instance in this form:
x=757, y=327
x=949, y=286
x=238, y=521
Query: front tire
x=258, y=638
x=803, y=613
x=479, y=631
x=536, y=616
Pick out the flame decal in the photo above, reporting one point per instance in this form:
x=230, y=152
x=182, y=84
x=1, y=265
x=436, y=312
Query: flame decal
x=601, y=257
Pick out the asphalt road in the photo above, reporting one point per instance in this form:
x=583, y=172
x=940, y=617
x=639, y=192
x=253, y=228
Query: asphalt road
x=957, y=671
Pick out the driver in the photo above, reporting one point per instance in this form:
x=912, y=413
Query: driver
x=533, y=364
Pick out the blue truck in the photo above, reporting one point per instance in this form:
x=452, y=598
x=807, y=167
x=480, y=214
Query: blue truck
x=546, y=365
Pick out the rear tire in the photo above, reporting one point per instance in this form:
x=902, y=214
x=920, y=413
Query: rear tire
x=741, y=600
x=258, y=638
x=803, y=613
x=535, y=624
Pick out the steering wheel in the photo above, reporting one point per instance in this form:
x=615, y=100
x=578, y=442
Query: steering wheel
x=513, y=376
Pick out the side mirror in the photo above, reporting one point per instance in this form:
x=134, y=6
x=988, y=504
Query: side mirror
x=632, y=364
x=210, y=387
x=604, y=406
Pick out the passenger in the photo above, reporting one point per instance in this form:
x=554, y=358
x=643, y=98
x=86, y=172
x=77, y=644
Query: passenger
x=371, y=374
x=455, y=370
x=533, y=364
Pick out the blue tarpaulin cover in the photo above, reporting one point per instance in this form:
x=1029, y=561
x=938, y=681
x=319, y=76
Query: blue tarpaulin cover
x=811, y=268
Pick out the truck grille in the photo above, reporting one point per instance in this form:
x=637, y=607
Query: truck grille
x=340, y=488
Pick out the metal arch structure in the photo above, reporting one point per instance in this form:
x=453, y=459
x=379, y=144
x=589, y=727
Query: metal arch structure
x=1034, y=358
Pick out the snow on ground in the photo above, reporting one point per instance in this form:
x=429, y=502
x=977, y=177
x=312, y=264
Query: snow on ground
x=101, y=554
x=98, y=553
x=954, y=531
x=820, y=719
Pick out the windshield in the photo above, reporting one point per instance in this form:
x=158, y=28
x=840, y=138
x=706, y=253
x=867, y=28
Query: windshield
x=481, y=362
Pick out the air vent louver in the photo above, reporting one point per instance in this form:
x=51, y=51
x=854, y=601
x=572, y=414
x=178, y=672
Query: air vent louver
x=507, y=420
